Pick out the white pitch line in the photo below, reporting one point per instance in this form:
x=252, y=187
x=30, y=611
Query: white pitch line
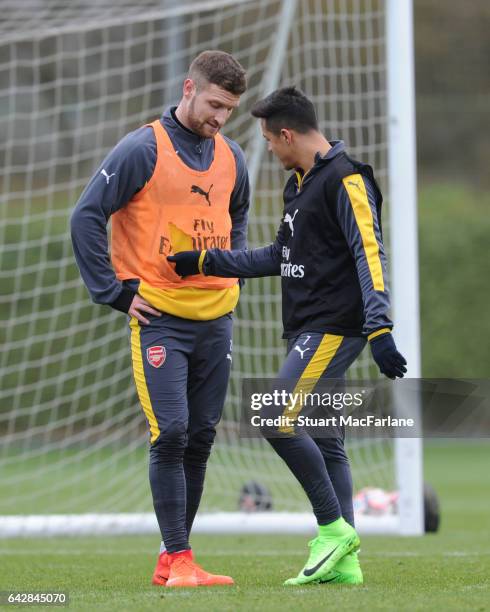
x=242, y=553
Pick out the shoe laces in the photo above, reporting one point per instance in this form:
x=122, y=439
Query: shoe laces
x=314, y=546
x=312, y=543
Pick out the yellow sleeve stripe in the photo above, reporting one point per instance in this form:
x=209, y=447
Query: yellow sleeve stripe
x=201, y=261
x=140, y=380
x=311, y=375
x=379, y=332
x=356, y=191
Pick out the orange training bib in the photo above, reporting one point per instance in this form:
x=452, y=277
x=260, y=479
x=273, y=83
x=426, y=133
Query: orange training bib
x=178, y=209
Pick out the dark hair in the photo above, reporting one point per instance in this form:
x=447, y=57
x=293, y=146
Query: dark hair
x=286, y=108
x=219, y=68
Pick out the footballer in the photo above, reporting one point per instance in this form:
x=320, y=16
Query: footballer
x=173, y=184
x=329, y=253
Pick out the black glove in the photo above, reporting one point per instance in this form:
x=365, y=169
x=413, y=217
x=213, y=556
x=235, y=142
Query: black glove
x=390, y=362
x=186, y=262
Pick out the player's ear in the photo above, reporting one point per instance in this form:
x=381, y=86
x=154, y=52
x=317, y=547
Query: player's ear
x=188, y=88
x=286, y=135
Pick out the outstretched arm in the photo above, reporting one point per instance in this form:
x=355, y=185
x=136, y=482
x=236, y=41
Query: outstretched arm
x=263, y=261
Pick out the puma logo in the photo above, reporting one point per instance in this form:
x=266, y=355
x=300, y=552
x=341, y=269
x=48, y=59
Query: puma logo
x=107, y=176
x=205, y=194
x=354, y=184
x=290, y=220
x=301, y=351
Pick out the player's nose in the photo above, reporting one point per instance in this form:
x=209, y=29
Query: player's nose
x=221, y=117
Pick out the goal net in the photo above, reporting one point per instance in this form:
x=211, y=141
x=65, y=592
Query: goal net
x=74, y=78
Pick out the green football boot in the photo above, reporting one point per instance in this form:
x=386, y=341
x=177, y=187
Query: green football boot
x=334, y=542
x=347, y=571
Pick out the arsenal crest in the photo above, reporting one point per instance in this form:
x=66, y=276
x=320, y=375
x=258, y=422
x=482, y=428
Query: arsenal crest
x=156, y=355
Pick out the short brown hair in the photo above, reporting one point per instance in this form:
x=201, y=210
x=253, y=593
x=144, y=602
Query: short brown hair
x=219, y=68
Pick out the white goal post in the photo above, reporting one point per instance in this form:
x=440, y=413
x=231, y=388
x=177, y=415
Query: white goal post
x=74, y=78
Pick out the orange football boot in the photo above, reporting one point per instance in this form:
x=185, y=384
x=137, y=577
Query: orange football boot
x=185, y=573
x=162, y=570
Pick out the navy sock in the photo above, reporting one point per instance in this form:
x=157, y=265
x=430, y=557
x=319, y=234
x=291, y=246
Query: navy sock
x=195, y=472
x=338, y=468
x=305, y=461
x=168, y=488
x=341, y=478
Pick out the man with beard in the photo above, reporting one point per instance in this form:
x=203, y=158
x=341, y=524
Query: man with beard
x=171, y=185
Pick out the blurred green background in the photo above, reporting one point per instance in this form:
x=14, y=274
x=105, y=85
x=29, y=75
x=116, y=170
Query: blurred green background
x=452, y=47
x=454, y=230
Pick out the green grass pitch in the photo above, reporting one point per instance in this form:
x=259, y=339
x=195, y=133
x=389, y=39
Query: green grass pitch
x=445, y=571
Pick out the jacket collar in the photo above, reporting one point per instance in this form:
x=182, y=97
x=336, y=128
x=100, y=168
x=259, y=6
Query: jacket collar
x=338, y=147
